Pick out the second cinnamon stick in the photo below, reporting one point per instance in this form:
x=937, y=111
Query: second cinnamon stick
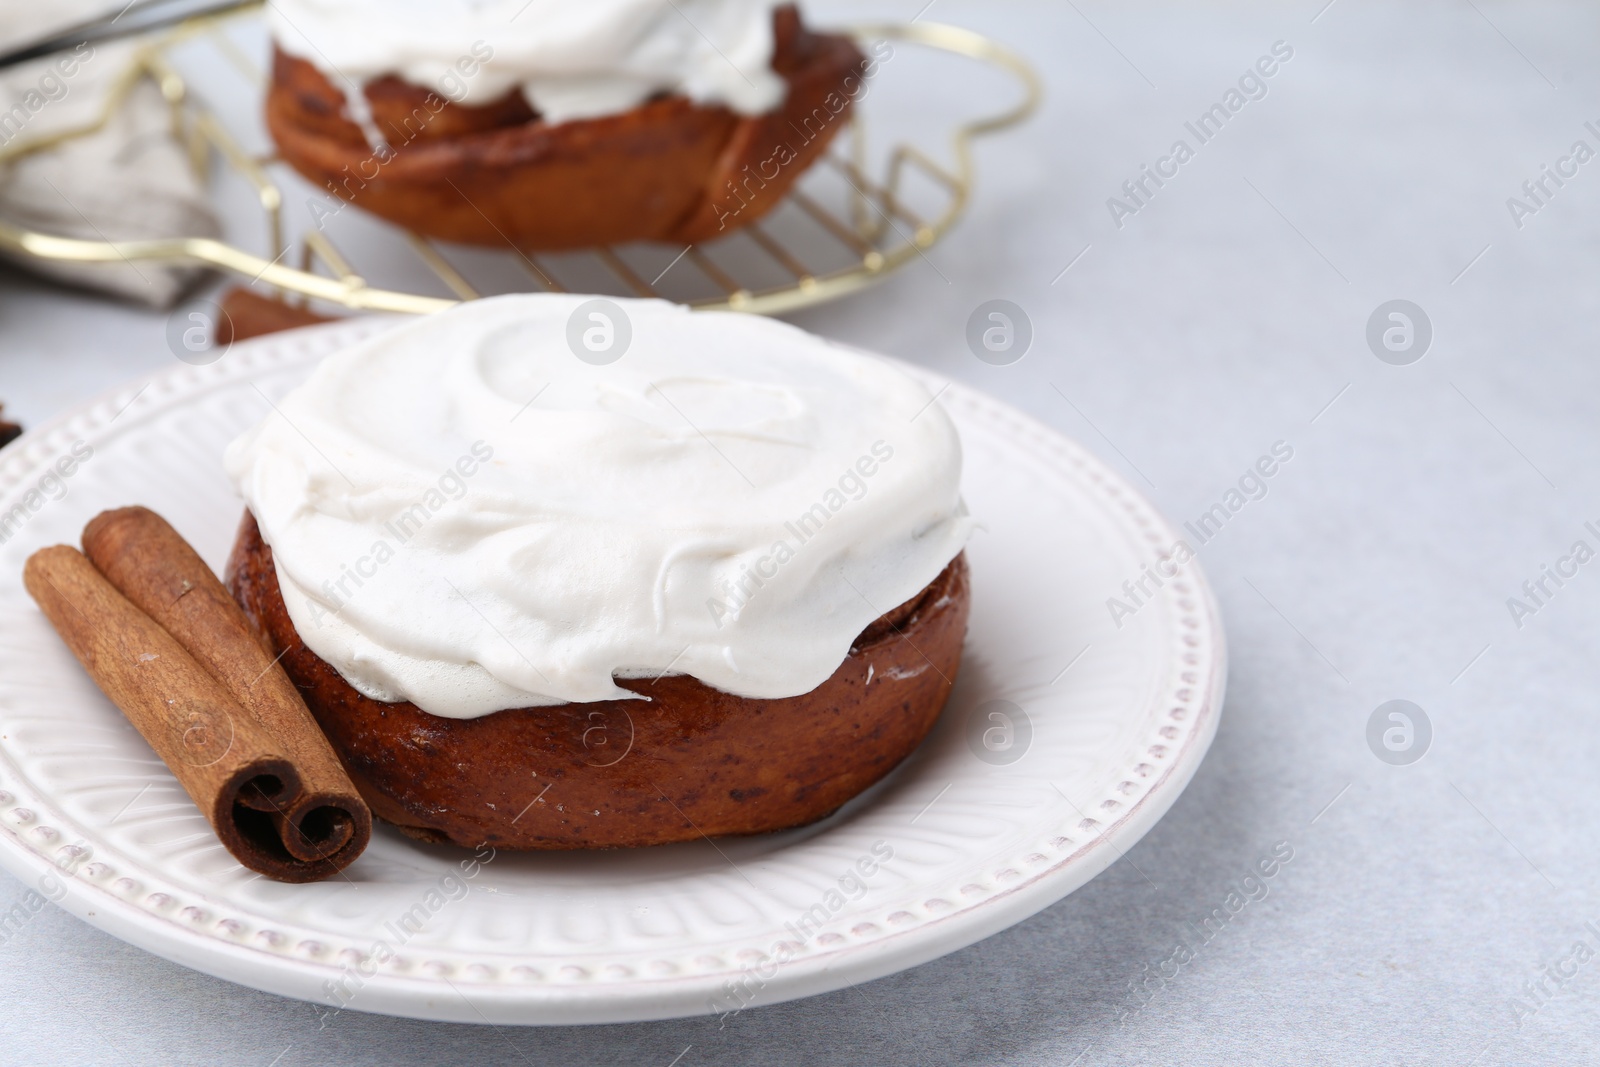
x=158, y=571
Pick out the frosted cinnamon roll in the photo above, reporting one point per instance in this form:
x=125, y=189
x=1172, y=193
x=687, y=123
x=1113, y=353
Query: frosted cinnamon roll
x=553, y=125
x=715, y=586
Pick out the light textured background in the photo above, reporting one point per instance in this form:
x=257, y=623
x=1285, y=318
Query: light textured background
x=1223, y=317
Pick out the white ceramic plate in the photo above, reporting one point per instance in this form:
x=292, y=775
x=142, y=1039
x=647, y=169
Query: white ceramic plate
x=957, y=846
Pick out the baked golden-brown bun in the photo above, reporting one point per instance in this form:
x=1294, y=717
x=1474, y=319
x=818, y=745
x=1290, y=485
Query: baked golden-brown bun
x=668, y=170
x=690, y=762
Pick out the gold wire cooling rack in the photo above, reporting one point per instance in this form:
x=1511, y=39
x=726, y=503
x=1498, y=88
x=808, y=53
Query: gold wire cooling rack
x=821, y=244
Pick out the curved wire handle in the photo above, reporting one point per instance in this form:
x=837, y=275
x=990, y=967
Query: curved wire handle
x=350, y=290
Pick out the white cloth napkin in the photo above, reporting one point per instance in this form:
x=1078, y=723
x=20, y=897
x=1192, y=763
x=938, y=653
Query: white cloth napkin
x=129, y=180
x=22, y=22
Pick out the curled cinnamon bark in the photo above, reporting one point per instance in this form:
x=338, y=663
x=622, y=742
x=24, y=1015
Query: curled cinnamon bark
x=246, y=314
x=157, y=570
x=161, y=637
x=9, y=431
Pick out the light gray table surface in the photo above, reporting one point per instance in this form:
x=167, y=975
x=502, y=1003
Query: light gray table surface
x=1428, y=909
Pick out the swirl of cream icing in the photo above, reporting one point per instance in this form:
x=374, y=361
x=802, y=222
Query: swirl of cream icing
x=465, y=514
x=571, y=60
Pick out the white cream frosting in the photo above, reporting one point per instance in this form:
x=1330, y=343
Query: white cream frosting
x=465, y=515
x=572, y=60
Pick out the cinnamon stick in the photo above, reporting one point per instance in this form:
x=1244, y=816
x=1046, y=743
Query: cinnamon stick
x=9, y=431
x=228, y=764
x=151, y=565
x=247, y=314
